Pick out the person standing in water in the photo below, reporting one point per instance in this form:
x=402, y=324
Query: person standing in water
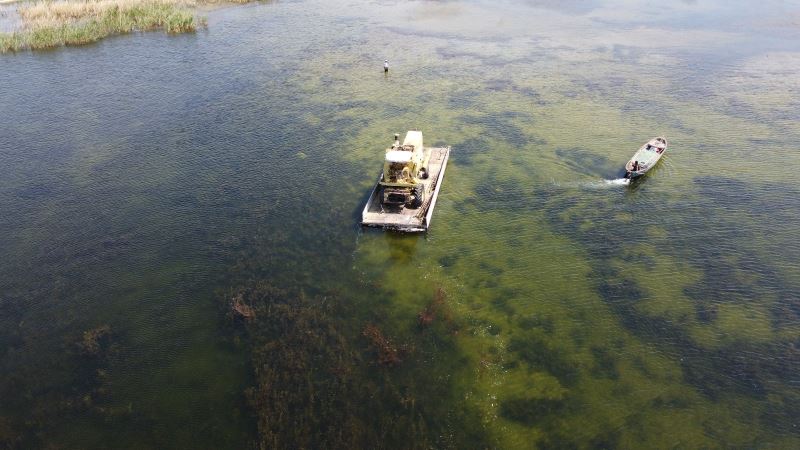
x=385, y=65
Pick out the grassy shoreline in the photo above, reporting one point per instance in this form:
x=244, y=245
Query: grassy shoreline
x=49, y=24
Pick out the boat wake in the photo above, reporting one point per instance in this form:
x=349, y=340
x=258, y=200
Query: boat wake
x=597, y=184
x=607, y=184
x=618, y=182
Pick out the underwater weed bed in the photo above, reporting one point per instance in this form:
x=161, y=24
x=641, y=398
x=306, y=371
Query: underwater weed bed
x=54, y=24
x=325, y=382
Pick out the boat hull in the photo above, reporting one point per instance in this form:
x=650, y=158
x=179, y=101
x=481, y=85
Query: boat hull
x=646, y=157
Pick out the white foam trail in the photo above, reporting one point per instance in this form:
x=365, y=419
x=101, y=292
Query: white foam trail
x=598, y=184
x=606, y=184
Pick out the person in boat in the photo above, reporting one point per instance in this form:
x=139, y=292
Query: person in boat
x=635, y=166
x=385, y=65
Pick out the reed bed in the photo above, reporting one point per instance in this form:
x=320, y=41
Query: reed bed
x=50, y=24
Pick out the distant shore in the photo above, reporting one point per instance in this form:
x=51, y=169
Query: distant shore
x=73, y=22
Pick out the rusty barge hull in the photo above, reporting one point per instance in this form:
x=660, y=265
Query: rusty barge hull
x=406, y=219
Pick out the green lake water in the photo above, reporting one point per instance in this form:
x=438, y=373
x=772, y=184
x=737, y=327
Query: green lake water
x=145, y=179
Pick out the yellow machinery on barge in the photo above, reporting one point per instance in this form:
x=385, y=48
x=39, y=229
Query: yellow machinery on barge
x=406, y=192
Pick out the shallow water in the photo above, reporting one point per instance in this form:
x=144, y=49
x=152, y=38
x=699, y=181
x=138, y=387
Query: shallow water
x=144, y=178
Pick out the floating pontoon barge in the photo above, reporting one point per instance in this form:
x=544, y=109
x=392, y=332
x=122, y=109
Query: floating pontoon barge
x=378, y=212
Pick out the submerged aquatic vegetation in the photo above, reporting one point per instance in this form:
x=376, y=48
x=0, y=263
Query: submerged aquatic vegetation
x=79, y=385
x=389, y=354
x=751, y=361
x=53, y=24
x=436, y=307
x=317, y=384
x=95, y=340
x=241, y=309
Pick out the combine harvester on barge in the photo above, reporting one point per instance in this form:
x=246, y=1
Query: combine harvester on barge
x=405, y=195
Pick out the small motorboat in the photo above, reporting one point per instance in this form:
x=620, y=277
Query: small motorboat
x=646, y=157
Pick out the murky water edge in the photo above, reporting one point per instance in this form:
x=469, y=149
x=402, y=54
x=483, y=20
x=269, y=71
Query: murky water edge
x=149, y=180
